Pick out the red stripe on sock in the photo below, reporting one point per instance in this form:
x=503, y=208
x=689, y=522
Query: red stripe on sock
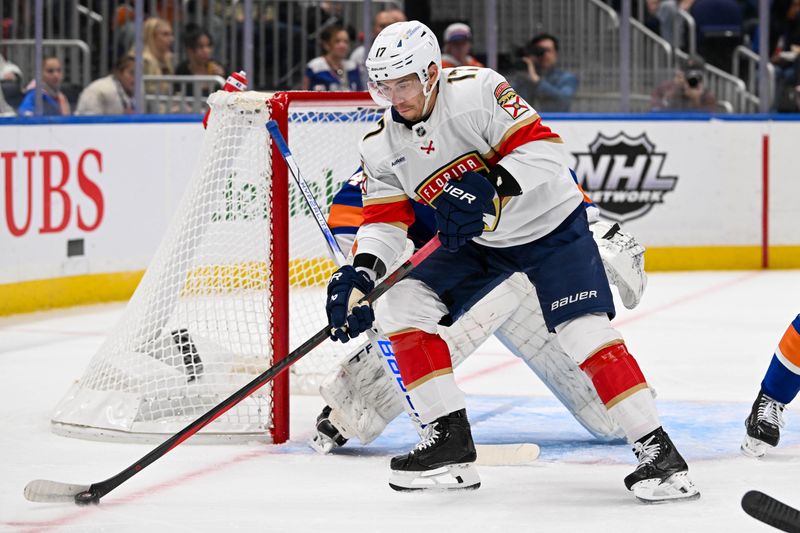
x=613, y=370
x=419, y=354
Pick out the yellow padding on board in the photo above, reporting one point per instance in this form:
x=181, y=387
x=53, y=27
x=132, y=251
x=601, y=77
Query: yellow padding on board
x=719, y=258
x=784, y=256
x=702, y=258
x=36, y=295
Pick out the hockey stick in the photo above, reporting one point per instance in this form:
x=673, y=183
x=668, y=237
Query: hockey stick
x=488, y=454
x=771, y=511
x=53, y=491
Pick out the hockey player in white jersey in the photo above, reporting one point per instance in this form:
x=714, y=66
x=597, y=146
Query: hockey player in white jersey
x=362, y=398
x=462, y=141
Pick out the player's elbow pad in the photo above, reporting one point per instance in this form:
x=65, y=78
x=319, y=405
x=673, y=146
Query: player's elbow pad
x=503, y=182
x=370, y=262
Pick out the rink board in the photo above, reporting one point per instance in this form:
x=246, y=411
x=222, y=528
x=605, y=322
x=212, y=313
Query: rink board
x=699, y=193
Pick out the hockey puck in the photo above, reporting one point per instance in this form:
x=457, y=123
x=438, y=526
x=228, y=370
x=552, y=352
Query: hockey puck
x=87, y=497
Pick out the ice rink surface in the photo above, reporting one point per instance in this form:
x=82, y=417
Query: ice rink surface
x=703, y=341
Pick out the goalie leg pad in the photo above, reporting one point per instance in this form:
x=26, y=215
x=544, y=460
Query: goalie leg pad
x=525, y=335
x=362, y=397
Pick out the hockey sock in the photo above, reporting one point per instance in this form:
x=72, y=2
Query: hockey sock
x=782, y=380
x=623, y=389
x=426, y=369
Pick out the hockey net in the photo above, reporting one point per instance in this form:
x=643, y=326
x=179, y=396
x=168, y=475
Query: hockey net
x=237, y=281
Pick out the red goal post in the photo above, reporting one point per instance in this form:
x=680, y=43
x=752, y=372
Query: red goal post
x=281, y=104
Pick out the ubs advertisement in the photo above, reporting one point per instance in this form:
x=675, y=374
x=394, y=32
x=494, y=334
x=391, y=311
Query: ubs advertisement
x=88, y=198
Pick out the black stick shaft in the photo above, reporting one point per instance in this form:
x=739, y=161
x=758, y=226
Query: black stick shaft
x=102, y=488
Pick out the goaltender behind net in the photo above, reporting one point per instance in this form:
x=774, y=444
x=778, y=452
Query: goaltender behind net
x=462, y=141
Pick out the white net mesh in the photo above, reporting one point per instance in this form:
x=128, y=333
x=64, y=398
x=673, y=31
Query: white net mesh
x=199, y=326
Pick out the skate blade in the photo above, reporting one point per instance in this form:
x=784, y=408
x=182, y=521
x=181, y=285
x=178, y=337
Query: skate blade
x=753, y=447
x=322, y=444
x=676, y=488
x=461, y=476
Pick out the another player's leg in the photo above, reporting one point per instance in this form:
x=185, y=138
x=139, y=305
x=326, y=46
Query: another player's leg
x=780, y=386
x=576, y=301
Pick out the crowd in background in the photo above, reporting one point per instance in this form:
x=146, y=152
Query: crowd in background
x=535, y=71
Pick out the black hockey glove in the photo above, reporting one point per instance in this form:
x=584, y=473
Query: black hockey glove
x=460, y=208
x=348, y=318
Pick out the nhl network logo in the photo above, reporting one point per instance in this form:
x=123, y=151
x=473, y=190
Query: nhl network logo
x=622, y=175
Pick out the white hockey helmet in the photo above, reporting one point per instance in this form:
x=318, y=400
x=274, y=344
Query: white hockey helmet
x=401, y=49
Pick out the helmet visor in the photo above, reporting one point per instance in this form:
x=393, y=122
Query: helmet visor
x=393, y=92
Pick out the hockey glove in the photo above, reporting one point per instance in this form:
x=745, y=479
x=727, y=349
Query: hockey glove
x=349, y=318
x=460, y=209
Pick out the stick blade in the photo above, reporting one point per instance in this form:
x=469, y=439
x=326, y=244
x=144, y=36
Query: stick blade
x=507, y=454
x=44, y=491
x=771, y=511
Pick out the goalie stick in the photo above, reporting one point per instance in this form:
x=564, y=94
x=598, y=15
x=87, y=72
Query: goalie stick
x=54, y=491
x=488, y=454
x=771, y=511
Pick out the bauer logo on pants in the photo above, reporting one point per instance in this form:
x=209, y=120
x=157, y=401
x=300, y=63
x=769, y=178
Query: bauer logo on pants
x=623, y=175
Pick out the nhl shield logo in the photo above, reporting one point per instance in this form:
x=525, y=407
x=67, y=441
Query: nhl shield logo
x=622, y=175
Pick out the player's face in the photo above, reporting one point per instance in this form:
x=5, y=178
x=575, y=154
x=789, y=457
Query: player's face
x=406, y=94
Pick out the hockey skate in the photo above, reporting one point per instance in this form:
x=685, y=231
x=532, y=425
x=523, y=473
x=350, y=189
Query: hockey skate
x=443, y=460
x=328, y=436
x=662, y=474
x=763, y=426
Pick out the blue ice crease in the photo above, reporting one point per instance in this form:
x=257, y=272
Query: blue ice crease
x=702, y=430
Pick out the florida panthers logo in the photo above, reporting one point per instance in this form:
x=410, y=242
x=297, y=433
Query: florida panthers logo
x=622, y=175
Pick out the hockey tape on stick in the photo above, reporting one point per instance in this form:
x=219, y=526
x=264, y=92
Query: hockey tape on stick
x=771, y=511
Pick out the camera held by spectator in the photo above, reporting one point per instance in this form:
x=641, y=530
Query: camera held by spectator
x=686, y=91
x=540, y=80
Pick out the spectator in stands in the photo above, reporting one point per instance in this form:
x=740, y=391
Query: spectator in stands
x=381, y=20
x=543, y=84
x=669, y=20
x=9, y=71
x=54, y=102
x=157, y=59
x=457, y=46
x=785, y=37
x=157, y=56
x=199, y=54
x=5, y=109
x=686, y=91
x=333, y=71
x=199, y=59
x=111, y=95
